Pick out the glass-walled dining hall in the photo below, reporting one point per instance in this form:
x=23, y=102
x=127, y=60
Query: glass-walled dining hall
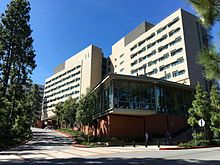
x=142, y=94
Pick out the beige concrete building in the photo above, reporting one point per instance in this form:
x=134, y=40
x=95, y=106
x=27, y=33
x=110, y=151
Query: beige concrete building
x=72, y=78
x=167, y=50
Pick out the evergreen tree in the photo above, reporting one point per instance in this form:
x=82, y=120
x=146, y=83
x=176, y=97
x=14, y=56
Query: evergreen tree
x=208, y=10
x=36, y=103
x=209, y=13
x=16, y=63
x=200, y=110
x=210, y=59
x=215, y=114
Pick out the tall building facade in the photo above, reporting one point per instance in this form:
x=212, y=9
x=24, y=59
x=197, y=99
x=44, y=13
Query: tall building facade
x=72, y=78
x=147, y=82
x=167, y=50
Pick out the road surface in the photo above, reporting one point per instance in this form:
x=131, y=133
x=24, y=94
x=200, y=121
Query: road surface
x=49, y=147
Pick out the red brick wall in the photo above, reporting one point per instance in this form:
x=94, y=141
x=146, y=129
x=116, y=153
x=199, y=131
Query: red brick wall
x=158, y=124
x=136, y=126
x=129, y=126
x=176, y=123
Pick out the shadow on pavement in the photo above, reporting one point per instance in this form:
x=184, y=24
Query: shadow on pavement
x=151, y=161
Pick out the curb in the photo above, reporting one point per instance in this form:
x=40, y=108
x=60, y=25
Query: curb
x=185, y=148
x=65, y=134
x=70, y=136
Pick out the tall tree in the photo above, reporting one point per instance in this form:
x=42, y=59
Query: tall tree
x=208, y=10
x=66, y=112
x=17, y=63
x=86, y=108
x=36, y=102
x=209, y=13
x=215, y=114
x=210, y=59
x=200, y=110
x=59, y=114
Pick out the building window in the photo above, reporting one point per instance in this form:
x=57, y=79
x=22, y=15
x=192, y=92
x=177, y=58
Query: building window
x=151, y=54
x=161, y=29
x=141, y=42
x=154, y=71
x=133, y=55
x=151, y=45
x=166, y=77
x=122, y=70
x=152, y=63
x=178, y=39
x=121, y=55
x=161, y=48
x=178, y=61
x=165, y=56
x=135, y=62
x=162, y=38
x=176, y=51
x=151, y=36
x=173, y=22
x=133, y=47
x=164, y=67
x=142, y=50
x=178, y=73
x=172, y=32
x=121, y=62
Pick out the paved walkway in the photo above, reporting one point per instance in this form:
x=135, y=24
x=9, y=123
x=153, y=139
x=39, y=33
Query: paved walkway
x=49, y=147
x=48, y=144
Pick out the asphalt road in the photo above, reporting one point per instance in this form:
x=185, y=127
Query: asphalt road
x=49, y=147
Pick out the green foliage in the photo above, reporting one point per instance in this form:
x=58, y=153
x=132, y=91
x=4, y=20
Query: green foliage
x=215, y=114
x=207, y=109
x=198, y=135
x=208, y=10
x=66, y=112
x=200, y=107
x=193, y=143
x=210, y=59
x=36, y=101
x=86, y=108
x=16, y=64
x=209, y=13
x=200, y=110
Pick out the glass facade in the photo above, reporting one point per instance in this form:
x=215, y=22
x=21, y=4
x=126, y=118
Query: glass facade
x=140, y=95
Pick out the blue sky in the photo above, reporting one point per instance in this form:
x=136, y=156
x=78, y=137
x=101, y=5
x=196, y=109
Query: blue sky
x=62, y=28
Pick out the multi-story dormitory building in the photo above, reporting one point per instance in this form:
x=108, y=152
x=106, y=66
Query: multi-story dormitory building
x=146, y=84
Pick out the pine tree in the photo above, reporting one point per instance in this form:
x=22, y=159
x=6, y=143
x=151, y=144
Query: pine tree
x=209, y=14
x=200, y=110
x=16, y=63
x=36, y=103
x=215, y=114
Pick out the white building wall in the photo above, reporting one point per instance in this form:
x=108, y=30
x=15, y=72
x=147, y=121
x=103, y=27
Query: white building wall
x=73, y=80
x=139, y=53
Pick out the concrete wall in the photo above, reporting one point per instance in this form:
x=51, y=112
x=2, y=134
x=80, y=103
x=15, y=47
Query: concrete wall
x=193, y=43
